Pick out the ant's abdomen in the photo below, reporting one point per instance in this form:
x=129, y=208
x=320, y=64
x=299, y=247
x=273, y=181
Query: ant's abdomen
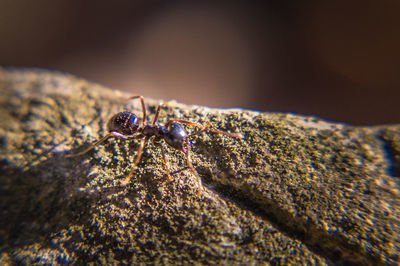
x=125, y=123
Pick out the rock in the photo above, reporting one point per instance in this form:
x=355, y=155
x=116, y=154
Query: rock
x=293, y=190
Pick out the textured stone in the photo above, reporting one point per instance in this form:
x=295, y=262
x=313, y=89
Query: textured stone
x=294, y=190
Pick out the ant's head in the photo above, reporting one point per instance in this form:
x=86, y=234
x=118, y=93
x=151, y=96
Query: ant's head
x=124, y=123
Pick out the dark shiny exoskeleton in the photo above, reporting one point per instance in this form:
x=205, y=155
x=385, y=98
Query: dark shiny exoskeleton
x=126, y=125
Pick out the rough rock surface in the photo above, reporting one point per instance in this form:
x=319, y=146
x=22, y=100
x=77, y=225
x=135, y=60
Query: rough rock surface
x=294, y=190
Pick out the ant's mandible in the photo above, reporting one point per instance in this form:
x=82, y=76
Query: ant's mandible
x=125, y=125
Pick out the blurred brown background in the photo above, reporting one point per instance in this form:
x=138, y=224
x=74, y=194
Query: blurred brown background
x=335, y=59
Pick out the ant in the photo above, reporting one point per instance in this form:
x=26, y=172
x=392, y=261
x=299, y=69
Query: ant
x=125, y=125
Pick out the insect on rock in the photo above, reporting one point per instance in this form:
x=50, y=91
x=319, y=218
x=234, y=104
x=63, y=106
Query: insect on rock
x=125, y=125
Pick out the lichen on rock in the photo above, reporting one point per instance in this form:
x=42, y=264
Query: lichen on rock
x=293, y=190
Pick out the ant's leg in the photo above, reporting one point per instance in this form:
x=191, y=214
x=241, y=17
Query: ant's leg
x=137, y=160
x=91, y=146
x=164, y=160
x=157, y=113
x=183, y=122
x=143, y=107
x=126, y=137
x=189, y=163
x=204, y=128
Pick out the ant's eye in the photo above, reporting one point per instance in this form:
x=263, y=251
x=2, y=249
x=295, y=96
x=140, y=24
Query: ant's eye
x=125, y=122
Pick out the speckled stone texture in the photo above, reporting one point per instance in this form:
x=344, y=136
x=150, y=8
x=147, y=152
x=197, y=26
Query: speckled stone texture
x=293, y=190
